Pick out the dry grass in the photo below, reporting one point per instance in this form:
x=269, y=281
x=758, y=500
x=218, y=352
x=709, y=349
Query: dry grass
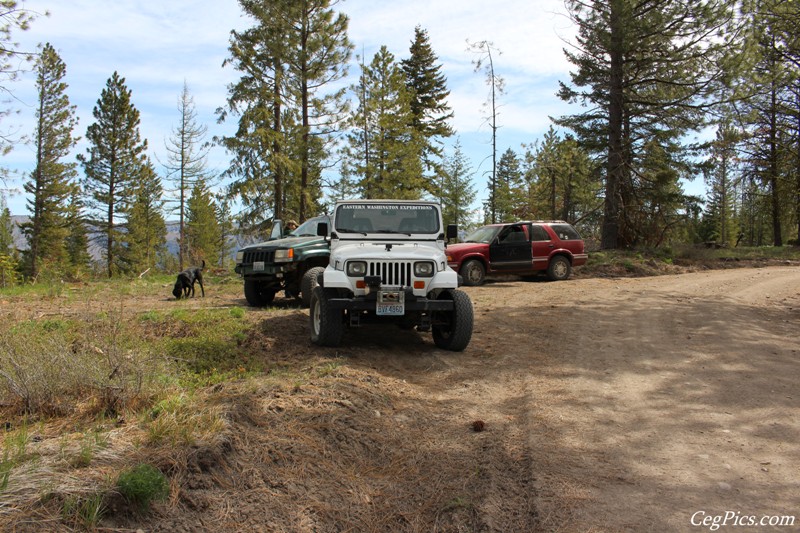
x=55, y=366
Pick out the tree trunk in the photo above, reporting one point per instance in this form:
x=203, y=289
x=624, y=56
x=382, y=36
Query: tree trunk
x=615, y=169
x=277, y=171
x=182, y=224
x=777, y=239
x=305, y=148
x=797, y=161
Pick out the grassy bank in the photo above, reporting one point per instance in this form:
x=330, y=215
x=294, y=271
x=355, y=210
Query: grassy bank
x=667, y=260
x=107, y=390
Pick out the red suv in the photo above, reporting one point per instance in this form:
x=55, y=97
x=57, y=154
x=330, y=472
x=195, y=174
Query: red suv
x=551, y=246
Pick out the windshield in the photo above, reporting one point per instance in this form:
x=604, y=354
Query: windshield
x=483, y=234
x=308, y=228
x=387, y=218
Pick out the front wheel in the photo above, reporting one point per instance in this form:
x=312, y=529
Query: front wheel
x=257, y=294
x=456, y=331
x=308, y=283
x=559, y=268
x=473, y=273
x=327, y=325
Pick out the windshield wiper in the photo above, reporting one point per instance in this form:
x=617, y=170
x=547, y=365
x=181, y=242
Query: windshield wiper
x=348, y=230
x=393, y=231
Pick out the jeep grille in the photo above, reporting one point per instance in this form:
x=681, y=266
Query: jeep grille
x=251, y=256
x=396, y=273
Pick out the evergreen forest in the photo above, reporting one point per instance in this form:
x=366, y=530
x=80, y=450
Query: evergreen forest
x=659, y=92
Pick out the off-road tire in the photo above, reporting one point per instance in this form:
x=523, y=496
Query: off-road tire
x=559, y=268
x=456, y=335
x=326, y=324
x=473, y=272
x=308, y=283
x=256, y=294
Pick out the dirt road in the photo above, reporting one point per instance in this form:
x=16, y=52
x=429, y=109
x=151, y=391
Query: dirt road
x=641, y=402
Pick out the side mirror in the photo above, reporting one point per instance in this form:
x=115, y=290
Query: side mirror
x=452, y=231
x=322, y=229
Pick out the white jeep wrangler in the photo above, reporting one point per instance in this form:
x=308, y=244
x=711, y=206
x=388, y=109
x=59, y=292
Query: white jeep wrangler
x=388, y=263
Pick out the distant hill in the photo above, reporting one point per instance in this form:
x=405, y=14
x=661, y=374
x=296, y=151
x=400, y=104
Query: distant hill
x=95, y=251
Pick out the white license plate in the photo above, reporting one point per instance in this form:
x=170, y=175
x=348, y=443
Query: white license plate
x=258, y=266
x=390, y=309
x=391, y=303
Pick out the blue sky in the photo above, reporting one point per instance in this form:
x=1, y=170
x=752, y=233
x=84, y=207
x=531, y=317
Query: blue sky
x=157, y=45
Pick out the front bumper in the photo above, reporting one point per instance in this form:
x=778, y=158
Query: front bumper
x=268, y=272
x=370, y=301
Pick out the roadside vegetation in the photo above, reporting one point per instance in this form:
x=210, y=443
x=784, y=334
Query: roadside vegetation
x=679, y=259
x=100, y=402
x=110, y=397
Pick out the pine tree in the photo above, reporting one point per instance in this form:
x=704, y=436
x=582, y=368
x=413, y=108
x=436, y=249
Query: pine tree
x=646, y=71
x=786, y=27
x=457, y=191
x=12, y=18
x=226, y=228
x=147, y=232
x=115, y=160
x=430, y=111
x=318, y=60
x=561, y=182
x=383, y=147
x=722, y=177
x=186, y=163
x=259, y=165
x=287, y=102
x=202, y=226
x=50, y=184
x=509, y=188
x=8, y=260
x=77, y=241
x=771, y=109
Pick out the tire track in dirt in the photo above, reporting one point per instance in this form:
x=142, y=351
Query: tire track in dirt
x=676, y=395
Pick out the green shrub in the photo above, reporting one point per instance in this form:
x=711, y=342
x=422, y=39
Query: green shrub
x=142, y=485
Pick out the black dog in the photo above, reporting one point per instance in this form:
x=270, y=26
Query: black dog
x=186, y=280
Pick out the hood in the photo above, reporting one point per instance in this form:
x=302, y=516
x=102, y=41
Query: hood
x=286, y=242
x=373, y=251
x=464, y=247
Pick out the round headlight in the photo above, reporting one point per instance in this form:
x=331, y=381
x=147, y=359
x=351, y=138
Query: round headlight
x=356, y=269
x=423, y=269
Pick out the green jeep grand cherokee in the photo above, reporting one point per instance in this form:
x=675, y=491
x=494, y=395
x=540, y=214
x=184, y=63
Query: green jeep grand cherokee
x=290, y=263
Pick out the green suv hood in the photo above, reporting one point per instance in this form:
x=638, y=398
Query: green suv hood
x=286, y=242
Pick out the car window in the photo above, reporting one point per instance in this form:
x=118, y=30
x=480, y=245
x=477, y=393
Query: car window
x=565, y=232
x=483, y=234
x=367, y=217
x=513, y=234
x=309, y=227
x=538, y=233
